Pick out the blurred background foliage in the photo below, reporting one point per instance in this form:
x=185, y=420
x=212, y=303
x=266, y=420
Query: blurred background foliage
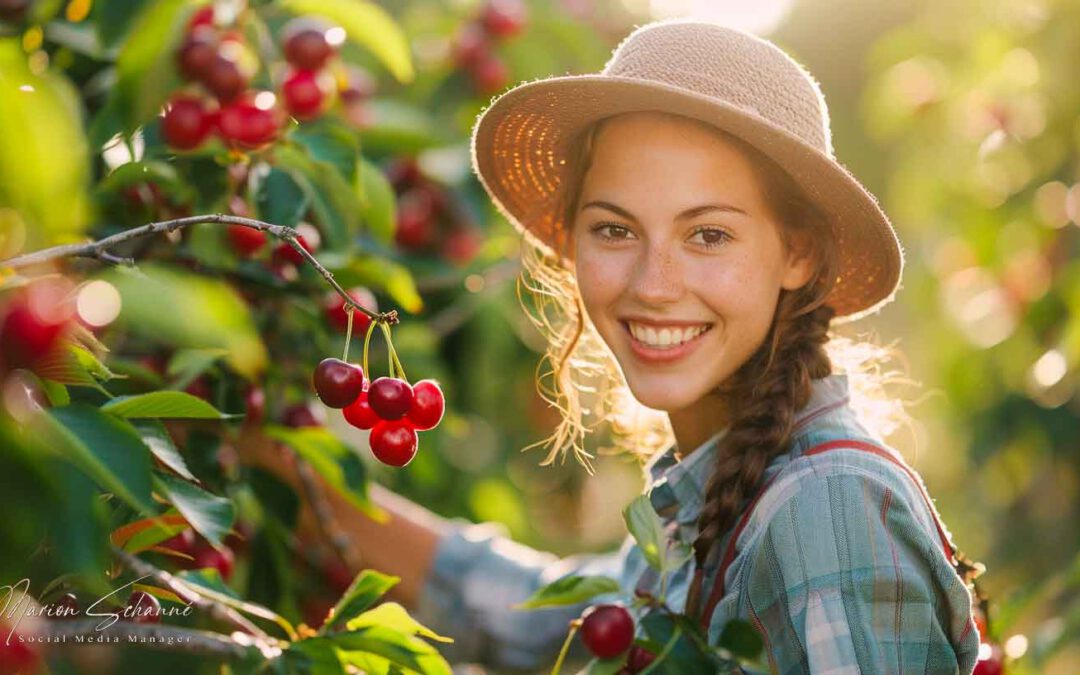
x=963, y=116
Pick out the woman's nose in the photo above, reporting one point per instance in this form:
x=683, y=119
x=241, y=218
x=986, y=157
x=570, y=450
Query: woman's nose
x=657, y=276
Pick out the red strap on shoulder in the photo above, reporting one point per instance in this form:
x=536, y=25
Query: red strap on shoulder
x=849, y=444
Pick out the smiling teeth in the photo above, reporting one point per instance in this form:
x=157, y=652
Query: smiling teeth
x=664, y=337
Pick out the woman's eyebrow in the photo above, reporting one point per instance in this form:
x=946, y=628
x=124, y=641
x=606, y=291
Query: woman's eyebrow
x=688, y=213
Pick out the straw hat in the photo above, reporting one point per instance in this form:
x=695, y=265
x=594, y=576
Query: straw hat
x=738, y=82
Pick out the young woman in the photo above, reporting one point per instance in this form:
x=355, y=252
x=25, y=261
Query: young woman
x=690, y=240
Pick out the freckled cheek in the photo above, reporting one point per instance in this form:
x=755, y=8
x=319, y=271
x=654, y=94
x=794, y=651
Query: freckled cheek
x=730, y=289
x=600, y=278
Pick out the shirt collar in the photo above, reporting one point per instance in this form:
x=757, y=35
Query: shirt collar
x=678, y=487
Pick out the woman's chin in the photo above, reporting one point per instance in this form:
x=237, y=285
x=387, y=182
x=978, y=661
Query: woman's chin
x=662, y=398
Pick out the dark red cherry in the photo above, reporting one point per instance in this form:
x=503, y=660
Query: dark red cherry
x=143, y=608
x=306, y=46
x=338, y=383
x=607, y=630
x=393, y=442
x=359, y=413
x=428, y=405
x=390, y=397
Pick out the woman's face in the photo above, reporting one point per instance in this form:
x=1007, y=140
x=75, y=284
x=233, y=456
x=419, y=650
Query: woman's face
x=678, y=260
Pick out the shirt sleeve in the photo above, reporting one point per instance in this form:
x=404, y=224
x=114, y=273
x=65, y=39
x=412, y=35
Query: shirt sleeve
x=849, y=576
x=478, y=574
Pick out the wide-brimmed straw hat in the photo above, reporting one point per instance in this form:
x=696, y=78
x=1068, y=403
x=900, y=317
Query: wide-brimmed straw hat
x=523, y=142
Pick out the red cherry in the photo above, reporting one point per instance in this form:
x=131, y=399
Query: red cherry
x=503, y=18
x=220, y=559
x=255, y=403
x=607, y=630
x=302, y=415
x=338, y=383
x=196, y=53
x=639, y=659
x=204, y=16
x=306, y=46
x=186, y=123
x=200, y=388
x=338, y=575
x=404, y=173
x=428, y=405
x=334, y=308
x=415, y=220
x=489, y=74
x=462, y=245
x=17, y=655
x=224, y=78
x=390, y=397
x=66, y=607
x=246, y=241
x=250, y=122
x=991, y=660
x=304, y=95
x=359, y=413
x=183, y=542
x=393, y=443
x=35, y=322
x=471, y=45
x=286, y=253
x=143, y=608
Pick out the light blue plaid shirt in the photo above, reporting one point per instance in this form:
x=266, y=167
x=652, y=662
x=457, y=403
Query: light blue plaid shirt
x=839, y=568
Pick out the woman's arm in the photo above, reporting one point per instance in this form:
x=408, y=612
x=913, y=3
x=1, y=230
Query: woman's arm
x=849, y=576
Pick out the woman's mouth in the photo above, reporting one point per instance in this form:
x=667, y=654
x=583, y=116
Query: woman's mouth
x=664, y=342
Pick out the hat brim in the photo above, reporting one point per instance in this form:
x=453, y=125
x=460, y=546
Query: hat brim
x=521, y=150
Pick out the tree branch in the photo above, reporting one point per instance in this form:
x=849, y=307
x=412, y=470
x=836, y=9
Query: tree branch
x=99, y=251
x=324, y=515
x=155, y=636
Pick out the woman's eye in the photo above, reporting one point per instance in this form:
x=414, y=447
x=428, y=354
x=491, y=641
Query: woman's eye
x=612, y=231
x=710, y=236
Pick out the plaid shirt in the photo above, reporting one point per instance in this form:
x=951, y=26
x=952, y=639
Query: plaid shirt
x=839, y=567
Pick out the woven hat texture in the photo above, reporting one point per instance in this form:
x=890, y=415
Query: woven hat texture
x=740, y=83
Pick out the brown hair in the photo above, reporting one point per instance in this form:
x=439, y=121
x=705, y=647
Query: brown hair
x=763, y=395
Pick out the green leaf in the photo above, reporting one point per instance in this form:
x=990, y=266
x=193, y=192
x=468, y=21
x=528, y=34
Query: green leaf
x=202, y=313
x=156, y=437
x=210, y=515
x=402, y=650
x=379, y=212
x=605, y=666
x=333, y=143
x=686, y=655
x=387, y=275
x=113, y=18
x=56, y=393
x=315, y=656
x=366, y=24
x=209, y=578
x=165, y=405
x=398, y=127
x=742, y=640
x=146, y=69
x=393, y=615
x=187, y=364
x=107, y=449
x=645, y=526
x=279, y=199
x=366, y=588
x=334, y=199
x=569, y=590
x=160, y=173
x=336, y=462
x=74, y=365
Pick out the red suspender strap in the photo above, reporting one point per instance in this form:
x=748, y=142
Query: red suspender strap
x=838, y=444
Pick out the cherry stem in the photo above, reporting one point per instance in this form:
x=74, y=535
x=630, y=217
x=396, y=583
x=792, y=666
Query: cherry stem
x=98, y=251
x=394, y=360
x=574, y=625
x=367, y=341
x=348, y=333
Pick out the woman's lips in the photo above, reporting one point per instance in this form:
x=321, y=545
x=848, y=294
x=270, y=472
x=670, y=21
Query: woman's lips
x=662, y=354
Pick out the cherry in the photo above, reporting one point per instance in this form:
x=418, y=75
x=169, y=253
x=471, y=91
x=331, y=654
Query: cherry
x=250, y=122
x=224, y=78
x=306, y=46
x=204, y=16
x=182, y=542
x=17, y=655
x=338, y=575
x=639, y=659
x=489, y=74
x=338, y=383
x=428, y=405
x=220, y=559
x=186, y=123
x=200, y=388
x=471, y=45
x=359, y=413
x=304, y=95
x=302, y=415
x=196, y=53
x=334, y=309
x=404, y=173
x=393, y=442
x=66, y=607
x=462, y=245
x=992, y=664
x=607, y=630
x=143, y=608
x=255, y=403
x=503, y=18
x=390, y=397
x=415, y=222
x=34, y=323
x=245, y=241
x=286, y=253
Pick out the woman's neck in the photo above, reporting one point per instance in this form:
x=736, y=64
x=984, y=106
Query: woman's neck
x=697, y=423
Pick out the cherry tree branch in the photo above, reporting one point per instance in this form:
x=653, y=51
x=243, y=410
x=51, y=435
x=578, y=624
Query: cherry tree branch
x=98, y=250
x=155, y=636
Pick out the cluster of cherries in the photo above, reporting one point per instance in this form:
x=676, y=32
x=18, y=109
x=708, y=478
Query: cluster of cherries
x=473, y=48
x=427, y=221
x=221, y=63
x=608, y=631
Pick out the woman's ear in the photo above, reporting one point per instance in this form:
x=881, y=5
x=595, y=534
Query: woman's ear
x=799, y=263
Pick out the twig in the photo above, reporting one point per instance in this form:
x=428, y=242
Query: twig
x=214, y=609
x=155, y=636
x=99, y=250
x=324, y=515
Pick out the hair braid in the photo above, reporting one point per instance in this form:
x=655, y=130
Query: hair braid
x=773, y=385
